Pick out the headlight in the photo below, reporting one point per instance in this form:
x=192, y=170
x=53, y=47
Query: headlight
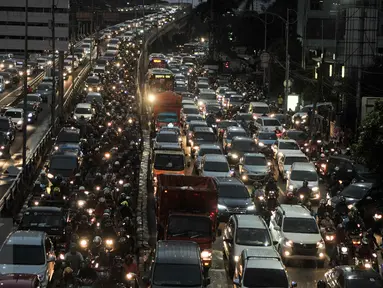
x=83, y=243
x=323, y=165
x=244, y=177
x=291, y=187
x=315, y=189
x=200, y=103
x=320, y=244
x=75, y=117
x=349, y=206
x=251, y=208
x=109, y=242
x=289, y=243
x=206, y=254
x=234, y=156
x=376, y=216
x=80, y=203
x=236, y=258
x=221, y=207
x=50, y=176
x=19, y=122
x=260, y=144
x=30, y=115
x=330, y=237
x=151, y=98
x=344, y=249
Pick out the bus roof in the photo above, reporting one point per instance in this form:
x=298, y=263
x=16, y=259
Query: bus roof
x=161, y=71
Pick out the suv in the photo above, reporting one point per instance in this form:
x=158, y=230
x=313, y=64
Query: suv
x=176, y=262
x=233, y=198
x=297, y=234
x=242, y=232
x=259, y=267
x=299, y=172
x=230, y=133
x=7, y=127
x=202, y=135
x=68, y=135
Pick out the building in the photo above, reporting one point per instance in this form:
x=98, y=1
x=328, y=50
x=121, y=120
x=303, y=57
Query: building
x=12, y=25
x=335, y=26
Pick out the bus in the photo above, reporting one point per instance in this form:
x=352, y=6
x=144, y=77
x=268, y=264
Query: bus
x=159, y=80
x=168, y=162
x=157, y=61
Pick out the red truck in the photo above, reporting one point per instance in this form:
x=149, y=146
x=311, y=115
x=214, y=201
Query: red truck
x=167, y=109
x=187, y=210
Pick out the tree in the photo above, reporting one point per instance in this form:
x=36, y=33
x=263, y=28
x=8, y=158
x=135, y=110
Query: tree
x=369, y=147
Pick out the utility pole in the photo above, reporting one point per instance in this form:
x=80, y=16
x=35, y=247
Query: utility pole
x=91, y=33
x=53, y=107
x=304, y=34
x=265, y=50
x=360, y=66
x=287, y=72
x=61, y=84
x=25, y=88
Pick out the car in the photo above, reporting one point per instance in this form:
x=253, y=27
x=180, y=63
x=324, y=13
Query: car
x=301, y=137
x=220, y=92
x=31, y=110
x=233, y=198
x=239, y=147
x=352, y=193
x=235, y=100
x=42, y=63
x=17, y=117
x=94, y=97
x=206, y=96
x=213, y=108
x=14, y=73
x=191, y=117
x=297, y=234
x=166, y=137
x=282, y=145
x=254, y=167
x=226, y=96
x=230, y=133
x=190, y=129
x=20, y=280
x=100, y=70
x=189, y=109
x=7, y=127
x=206, y=149
x=202, y=135
x=247, y=117
x=288, y=158
x=70, y=147
x=75, y=60
x=5, y=145
x=50, y=79
x=352, y=276
x=299, y=172
x=45, y=90
x=68, y=135
x=63, y=163
x=203, y=85
x=83, y=110
x=268, y=124
x=39, y=249
x=244, y=232
x=36, y=100
x=323, y=109
x=222, y=125
x=93, y=84
x=259, y=108
x=213, y=165
x=258, y=267
x=265, y=139
x=7, y=79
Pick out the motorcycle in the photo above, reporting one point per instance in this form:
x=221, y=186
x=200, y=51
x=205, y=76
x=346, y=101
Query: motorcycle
x=342, y=254
x=290, y=198
x=272, y=201
x=368, y=262
x=303, y=199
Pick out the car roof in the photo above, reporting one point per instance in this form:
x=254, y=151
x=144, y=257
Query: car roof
x=263, y=104
x=203, y=129
x=21, y=237
x=44, y=208
x=33, y=94
x=209, y=146
x=167, y=132
x=15, y=110
x=190, y=106
x=260, y=155
x=215, y=158
x=242, y=139
x=194, y=122
x=70, y=130
x=295, y=211
x=235, y=128
x=293, y=153
x=303, y=166
x=94, y=94
x=169, y=152
x=177, y=252
x=268, y=118
x=84, y=105
x=287, y=140
x=229, y=181
x=353, y=272
x=64, y=154
x=250, y=221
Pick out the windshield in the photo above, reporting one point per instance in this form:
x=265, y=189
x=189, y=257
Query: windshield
x=238, y=133
x=273, y=122
x=297, y=135
x=207, y=96
x=244, y=146
x=300, y=225
x=203, y=85
x=169, y=162
x=83, y=111
x=32, y=98
x=180, y=89
x=212, y=166
x=193, y=117
x=193, y=227
x=204, y=151
x=167, y=138
x=30, y=106
x=177, y=275
x=44, y=87
x=288, y=146
x=225, y=124
x=291, y=160
x=204, y=136
x=42, y=219
x=13, y=114
x=267, y=136
x=260, y=110
x=68, y=138
x=301, y=175
x=4, y=124
x=213, y=108
x=236, y=99
x=259, y=277
x=63, y=163
x=370, y=283
x=92, y=80
x=354, y=191
x=191, y=110
x=255, y=160
x=245, y=117
x=252, y=237
x=99, y=70
x=16, y=255
x=41, y=61
x=168, y=118
x=233, y=191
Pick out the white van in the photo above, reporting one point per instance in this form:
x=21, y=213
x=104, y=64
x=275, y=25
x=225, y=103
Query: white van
x=259, y=108
x=83, y=109
x=93, y=96
x=300, y=172
x=2, y=84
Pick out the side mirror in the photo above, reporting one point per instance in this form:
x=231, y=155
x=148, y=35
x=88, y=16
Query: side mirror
x=275, y=243
x=236, y=282
x=51, y=258
x=219, y=232
x=146, y=280
x=294, y=284
x=277, y=228
x=206, y=281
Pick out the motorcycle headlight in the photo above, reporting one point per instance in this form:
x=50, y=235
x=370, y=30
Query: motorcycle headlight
x=80, y=203
x=109, y=242
x=320, y=244
x=234, y=156
x=83, y=243
x=251, y=208
x=19, y=122
x=330, y=237
x=349, y=206
x=50, y=176
x=315, y=189
x=30, y=115
x=260, y=144
x=344, y=249
x=206, y=254
x=289, y=243
x=291, y=187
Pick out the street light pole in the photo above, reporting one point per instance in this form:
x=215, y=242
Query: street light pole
x=265, y=49
x=287, y=72
x=25, y=88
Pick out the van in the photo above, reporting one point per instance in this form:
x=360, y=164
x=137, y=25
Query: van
x=259, y=108
x=176, y=262
x=94, y=96
x=300, y=172
x=2, y=84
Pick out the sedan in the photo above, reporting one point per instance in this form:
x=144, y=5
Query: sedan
x=45, y=90
x=32, y=112
x=213, y=165
x=253, y=167
x=352, y=193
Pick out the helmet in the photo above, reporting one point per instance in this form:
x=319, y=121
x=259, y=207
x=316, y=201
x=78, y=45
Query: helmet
x=77, y=175
x=305, y=183
x=97, y=240
x=322, y=202
x=84, y=218
x=326, y=214
x=42, y=173
x=365, y=241
x=117, y=163
x=342, y=199
x=101, y=200
x=56, y=189
x=107, y=211
x=105, y=215
x=82, y=188
x=322, y=155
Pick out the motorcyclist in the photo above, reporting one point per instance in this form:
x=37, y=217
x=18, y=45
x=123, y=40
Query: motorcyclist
x=96, y=246
x=125, y=209
x=74, y=259
x=101, y=207
x=107, y=225
x=322, y=209
x=321, y=284
x=130, y=265
x=305, y=190
x=364, y=251
x=84, y=228
x=326, y=222
x=341, y=207
x=265, y=213
x=210, y=120
x=78, y=180
x=43, y=179
x=87, y=274
x=56, y=193
x=271, y=185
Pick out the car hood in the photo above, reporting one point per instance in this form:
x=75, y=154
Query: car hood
x=270, y=128
x=22, y=269
x=43, y=92
x=301, y=114
x=198, y=142
x=216, y=174
x=256, y=169
x=86, y=116
x=159, y=144
x=267, y=142
x=299, y=184
x=234, y=202
x=303, y=238
x=239, y=248
x=349, y=201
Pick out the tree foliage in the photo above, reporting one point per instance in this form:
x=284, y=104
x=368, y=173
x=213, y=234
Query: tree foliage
x=369, y=146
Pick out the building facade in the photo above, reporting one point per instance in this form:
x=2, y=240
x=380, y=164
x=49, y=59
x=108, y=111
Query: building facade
x=12, y=25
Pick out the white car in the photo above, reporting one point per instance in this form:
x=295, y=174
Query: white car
x=268, y=124
x=17, y=117
x=300, y=172
x=213, y=165
x=283, y=145
x=297, y=234
x=288, y=158
x=85, y=110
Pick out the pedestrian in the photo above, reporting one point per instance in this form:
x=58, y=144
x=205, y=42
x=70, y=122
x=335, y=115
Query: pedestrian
x=280, y=101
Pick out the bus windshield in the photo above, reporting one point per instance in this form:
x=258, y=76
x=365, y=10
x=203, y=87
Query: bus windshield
x=157, y=63
x=161, y=83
